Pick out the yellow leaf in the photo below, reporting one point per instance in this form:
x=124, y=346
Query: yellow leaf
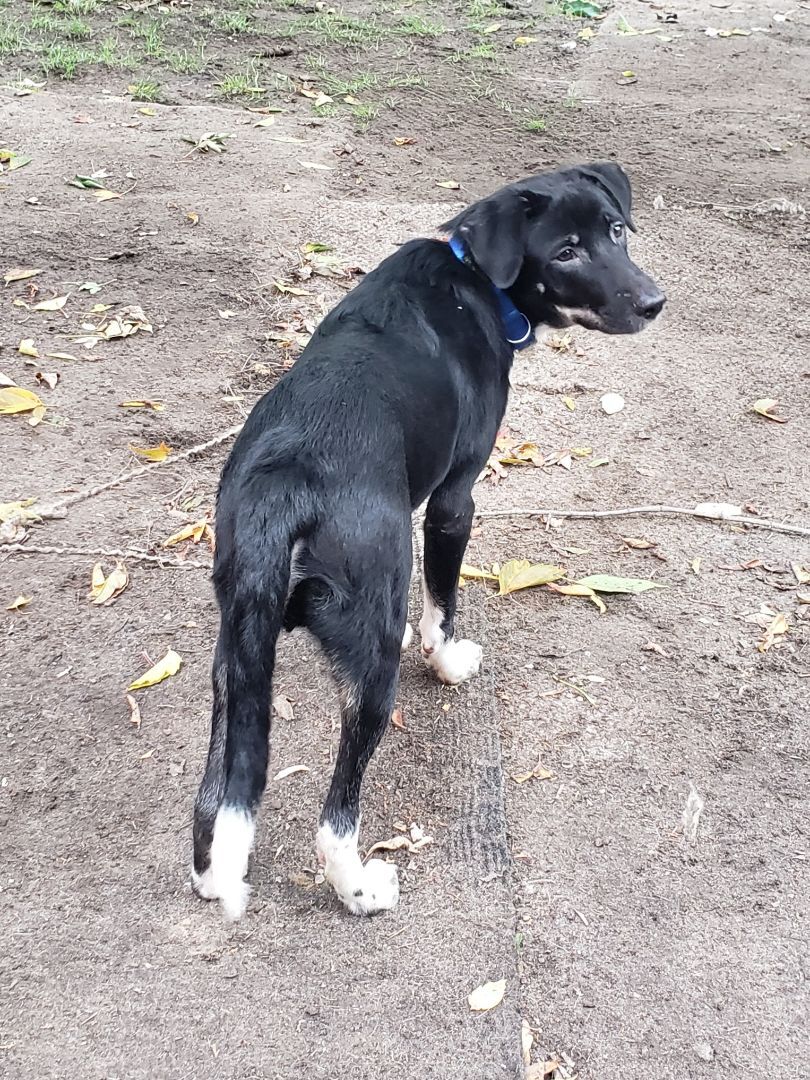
x=18, y=511
x=19, y=273
x=580, y=590
x=60, y=356
x=144, y=110
x=37, y=416
x=293, y=290
x=801, y=573
x=475, y=574
x=487, y=996
x=764, y=407
x=56, y=304
x=404, y=140
x=169, y=665
x=195, y=531
x=19, y=603
x=15, y=399
x=774, y=629
x=103, y=590
x=152, y=453
x=104, y=194
x=525, y=40
x=569, y=403
x=266, y=121
x=350, y=100
x=155, y=406
x=192, y=217
x=493, y=28
x=521, y=574
x=695, y=565
x=27, y=347
x=453, y=185
x=539, y=772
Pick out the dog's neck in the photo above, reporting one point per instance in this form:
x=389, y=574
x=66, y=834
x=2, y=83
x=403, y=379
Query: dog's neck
x=517, y=327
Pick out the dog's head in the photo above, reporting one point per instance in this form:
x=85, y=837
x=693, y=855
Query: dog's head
x=558, y=243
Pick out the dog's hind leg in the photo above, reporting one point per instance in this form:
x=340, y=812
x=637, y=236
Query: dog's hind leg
x=236, y=769
x=448, y=520
x=364, y=646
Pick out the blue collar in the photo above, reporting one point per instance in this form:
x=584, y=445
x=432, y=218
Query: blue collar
x=518, y=329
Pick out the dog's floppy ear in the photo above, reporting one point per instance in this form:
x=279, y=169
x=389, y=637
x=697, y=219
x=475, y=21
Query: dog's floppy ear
x=494, y=232
x=613, y=179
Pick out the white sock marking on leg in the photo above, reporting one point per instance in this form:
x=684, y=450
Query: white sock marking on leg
x=430, y=625
x=234, y=830
x=363, y=889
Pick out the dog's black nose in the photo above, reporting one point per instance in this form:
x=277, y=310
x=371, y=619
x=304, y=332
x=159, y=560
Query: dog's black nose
x=649, y=305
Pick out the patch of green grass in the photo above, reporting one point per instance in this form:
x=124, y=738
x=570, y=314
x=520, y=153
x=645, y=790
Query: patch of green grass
x=405, y=80
x=13, y=38
x=149, y=32
x=241, y=83
x=485, y=9
x=534, y=123
x=571, y=100
x=364, y=114
x=77, y=29
x=43, y=22
x=337, y=87
x=107, y=54
x=76, y=7
x=187, y=61
x=416, y=26
x=145, y=90
x=331, y=28
x=485, y=50
x=63, y=61
x=229, y=22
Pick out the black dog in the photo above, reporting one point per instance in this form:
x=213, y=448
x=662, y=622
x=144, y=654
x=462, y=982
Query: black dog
x=397, y=399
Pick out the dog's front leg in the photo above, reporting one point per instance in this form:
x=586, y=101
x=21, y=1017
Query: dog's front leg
x=448, y=520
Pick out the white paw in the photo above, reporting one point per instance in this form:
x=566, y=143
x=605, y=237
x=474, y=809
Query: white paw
x=456, y=661
x=234, y=895
x=377, y=889
x=407, y=638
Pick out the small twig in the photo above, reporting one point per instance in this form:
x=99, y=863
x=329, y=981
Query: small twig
x=696, y=512
x=100, y=553
x=59, y=507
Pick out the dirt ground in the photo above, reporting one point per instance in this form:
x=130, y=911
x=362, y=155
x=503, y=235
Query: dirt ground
x=628, y=948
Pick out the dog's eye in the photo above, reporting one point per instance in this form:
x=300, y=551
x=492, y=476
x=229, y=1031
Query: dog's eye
x=617, y=229
x=566, y=255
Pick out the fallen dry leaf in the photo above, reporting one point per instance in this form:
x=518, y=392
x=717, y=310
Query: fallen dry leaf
x=541, y=1069
x=579, y=589
x=397, y=719
x=694, y=565
x=403, y=140
x=539, y=772
x=521, y=574
x=476, y=574
x=316, y=165
x=290, y=771
x=18, y=603
x=16, y=399
x=103, y=590
x=18, y=510
x=526, y=1040
x=105, y=194
x=394, y=844
x=801, y=573
x=764, y=407
x=776, y=628
x=152, y=453
x=60, y=356
x=607, y=583
x=169, y=665
x=28, y=348
x=47, y=378
x=282, y=706
x=134, y=712
x=453, y=185
x=55, y=304
x=19, y=273
x=155, y=406
x=196, y=531
x=487, y=996
x=129, y=320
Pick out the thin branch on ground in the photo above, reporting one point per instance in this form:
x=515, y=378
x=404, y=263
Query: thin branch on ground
x=107, y=553
x=707, y=511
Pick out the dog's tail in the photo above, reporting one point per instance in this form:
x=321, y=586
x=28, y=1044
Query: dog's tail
x=256, y=538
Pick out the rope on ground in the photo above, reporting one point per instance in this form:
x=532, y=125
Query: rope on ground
x=104, y=553
x=725, y=512
x=59, y=508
